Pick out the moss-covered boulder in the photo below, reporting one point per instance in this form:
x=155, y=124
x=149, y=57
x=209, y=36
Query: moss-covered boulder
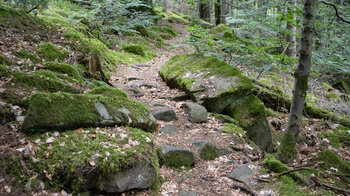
x=61, y=111
x=176, y=157
x=217, y=85
x=250, y=113
x=222, y=31
x=207, y=151
x=107, y=91
x=23, y=85
x=111, y=159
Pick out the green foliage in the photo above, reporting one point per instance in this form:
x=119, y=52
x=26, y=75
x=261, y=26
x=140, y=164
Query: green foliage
x=4, y=60
x=340, y=135
x=3, y=70
x=200, y=39
x=135, y=49
x=28, y=5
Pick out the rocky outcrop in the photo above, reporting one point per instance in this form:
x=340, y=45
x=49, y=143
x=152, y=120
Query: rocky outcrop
x=61, y=111
x=222, y=89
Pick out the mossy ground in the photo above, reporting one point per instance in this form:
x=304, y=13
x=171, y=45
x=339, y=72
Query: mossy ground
x=337, y=137
x=50, y=52
x=135, y=49
x=209, y=152
x=237, y=131
x=70, y=157
x=108, y=91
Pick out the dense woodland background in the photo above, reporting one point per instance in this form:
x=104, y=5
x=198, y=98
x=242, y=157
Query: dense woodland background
x=295, y=53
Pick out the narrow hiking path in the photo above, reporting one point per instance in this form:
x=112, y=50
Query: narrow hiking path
x=143, y=84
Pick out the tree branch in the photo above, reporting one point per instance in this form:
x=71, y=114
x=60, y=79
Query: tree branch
x=33, y=8
x=336, y=11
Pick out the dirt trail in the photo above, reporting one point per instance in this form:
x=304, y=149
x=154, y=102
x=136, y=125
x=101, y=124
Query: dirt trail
x=143, y=84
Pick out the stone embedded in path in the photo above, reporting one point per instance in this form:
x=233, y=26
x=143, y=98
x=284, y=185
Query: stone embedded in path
x=196, y=112
x=217, y=86
x=165, y=115
x=62, y=111
x=224, y=151
x=206, y=150
x=187, y=193
x=179, y=97
x=242, y=173
x=169, y=129
x=177, y=157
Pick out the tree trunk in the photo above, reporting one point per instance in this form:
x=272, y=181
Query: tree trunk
x=204, y=10
x=223, y=11
x=165, y=5
x=218, y=12
x=286, y=151
x=291, y=30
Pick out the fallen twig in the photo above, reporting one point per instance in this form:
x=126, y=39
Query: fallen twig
x=293, y=170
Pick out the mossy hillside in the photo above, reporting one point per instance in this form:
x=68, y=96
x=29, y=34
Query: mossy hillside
x=332, y=95
x=134, y=49
x=27, y=55
x=108, y=91
x=343, y=86
x=277, y=166
x=3, y=70
x=341, y=135
x=50, y=52
x=74, y=159
x=329, y=159
x=237, y=131
x=63, y=68
x=44, y=80
x=327, y=86
x=66, y=111
x=165, y=32
x=4, y=60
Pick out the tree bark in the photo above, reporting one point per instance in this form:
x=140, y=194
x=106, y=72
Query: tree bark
x=218, y=12
x=165, y=5
x=204, y=10
x=286, y=151
x=223, y=11
x=291, y=30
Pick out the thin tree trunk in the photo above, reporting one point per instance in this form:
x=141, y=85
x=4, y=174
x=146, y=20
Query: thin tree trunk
x=218, y=12
x=223, y=11
x=204, y=10
x=286, y=150
x=165, y=5
x=291, y=30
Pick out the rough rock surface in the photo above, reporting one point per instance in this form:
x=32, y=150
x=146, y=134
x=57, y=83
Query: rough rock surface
x=165, y=115
x=242, y=173
x=68, y=111
x=196, y=112
x=219, y=88
x=177, y=157
x=206, y=150
x=169, y=129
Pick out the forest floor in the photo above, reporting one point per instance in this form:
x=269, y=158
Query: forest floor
x=207, y=177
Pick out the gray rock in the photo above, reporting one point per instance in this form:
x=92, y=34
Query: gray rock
x=179, y=97
x=131, y=78
x=138, y=177
x=242, y=173
x=165, y=115
x=224, y=151
x=156, y=104
x=177, y=157
x=206, y=150
x=187, y=193
x=196, y=112
x=169, y=129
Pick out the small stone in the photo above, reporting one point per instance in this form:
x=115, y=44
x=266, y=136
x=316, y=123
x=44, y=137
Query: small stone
x=196, y=112
x=131, y=78
x=224, y=151
x=165, y=115
x=156, y=104
x=179, y=97
x=187, y=193
x=242, y=173
x=169, y=129
x=177, y=157
x=206, y=150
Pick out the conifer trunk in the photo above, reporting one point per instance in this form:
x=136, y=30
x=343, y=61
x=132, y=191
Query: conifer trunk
x=218, y=12
x=286, y=151
x=204, y=10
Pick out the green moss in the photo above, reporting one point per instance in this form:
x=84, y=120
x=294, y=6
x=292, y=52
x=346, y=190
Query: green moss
x=227, y=36
x=176, y=159
x=34, y=184
x=339, y=135
x=68, y=159
x=44, y=81
x=330, y=159
x=50, y=52
x=175, y=17
x=66, y=111
x=332, y=95
x=272, y=113
x=327, y=86
x=27, y=55
x=64, y=69
x=289, y=187
x=302, y=83
x=209, y=152
x=4, y=60
x=134, y=49
x=286, y=151
x=341, y=85
x=235, y=130
x=165, y=32
x=220, y=30
x=224, y=118
x=3, y=70
x=108, y=91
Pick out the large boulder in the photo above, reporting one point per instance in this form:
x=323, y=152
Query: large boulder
x=113, y=160
x=222, y=89
x=61, y=111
